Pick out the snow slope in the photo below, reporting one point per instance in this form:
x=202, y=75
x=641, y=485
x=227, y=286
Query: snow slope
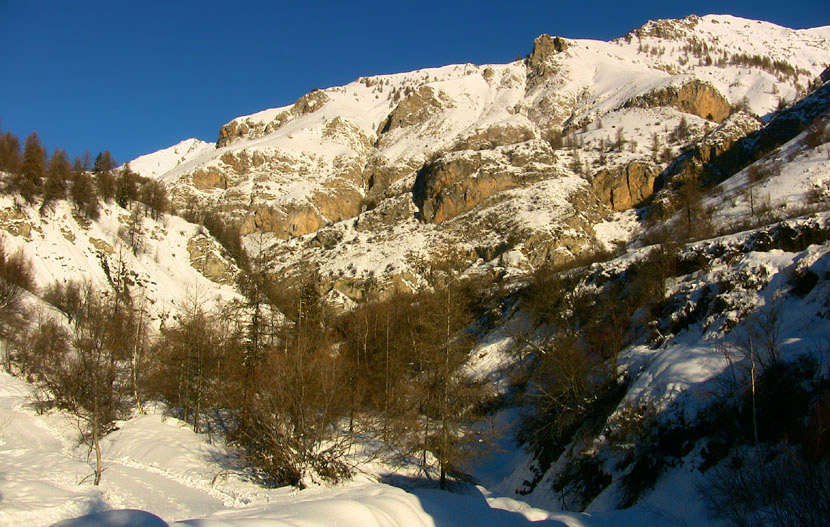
x=329, y=159
x=163, y=161
x=62, y=246
x=158, y=472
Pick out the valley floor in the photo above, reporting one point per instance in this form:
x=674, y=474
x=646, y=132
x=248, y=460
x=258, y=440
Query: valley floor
x=158, y=472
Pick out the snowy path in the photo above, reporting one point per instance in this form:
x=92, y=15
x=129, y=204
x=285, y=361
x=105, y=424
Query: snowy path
x=42, y=472
x=38, y=474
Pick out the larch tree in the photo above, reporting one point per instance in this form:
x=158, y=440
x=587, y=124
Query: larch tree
x=104, y=178
x=32, y=169
x=82, y=189
x=58, y=178
x=9, y=153
x=89, y=377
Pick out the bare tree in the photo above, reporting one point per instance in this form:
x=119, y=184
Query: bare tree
x=189, y=356
x=87, y=378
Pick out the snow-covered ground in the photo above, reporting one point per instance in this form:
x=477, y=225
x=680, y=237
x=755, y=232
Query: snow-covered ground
x=159, y=472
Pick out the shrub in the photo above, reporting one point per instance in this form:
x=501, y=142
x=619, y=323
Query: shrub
x=770, y=487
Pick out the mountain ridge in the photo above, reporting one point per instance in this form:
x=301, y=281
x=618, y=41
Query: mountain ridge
x=462, y=140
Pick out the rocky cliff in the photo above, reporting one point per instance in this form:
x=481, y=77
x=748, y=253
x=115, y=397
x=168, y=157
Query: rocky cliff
x=371, y=181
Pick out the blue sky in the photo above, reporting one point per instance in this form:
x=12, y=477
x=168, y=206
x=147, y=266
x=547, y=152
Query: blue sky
x=134, y=77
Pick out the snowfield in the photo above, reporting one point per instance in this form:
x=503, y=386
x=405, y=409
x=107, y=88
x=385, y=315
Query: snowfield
x=158, y=472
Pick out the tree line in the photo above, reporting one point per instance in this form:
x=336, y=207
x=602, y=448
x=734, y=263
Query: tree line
x=40, y=179
x=290, y=383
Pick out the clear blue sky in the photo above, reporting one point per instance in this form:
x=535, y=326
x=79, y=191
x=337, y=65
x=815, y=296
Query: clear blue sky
x=137, y=76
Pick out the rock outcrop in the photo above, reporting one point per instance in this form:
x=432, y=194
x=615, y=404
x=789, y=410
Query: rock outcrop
x=494, y=136
x=713, y=157
x=544, y=47
x=626, y=186
x=206, y=257
x=253, y=129
x=204, y=180
x=286, y=222
x=458, y=181
x=414, y=109
x=13, y=221
x=541, y=63
x=694, y=96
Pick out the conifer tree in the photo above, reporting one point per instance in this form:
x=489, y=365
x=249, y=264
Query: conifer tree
x=32, y=169
x=58, y=178
x=126, y=187
x=104, y=179
x=82, y=189
x=9, y=153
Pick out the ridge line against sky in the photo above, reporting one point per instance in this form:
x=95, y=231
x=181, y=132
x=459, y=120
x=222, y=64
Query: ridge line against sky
x=136, y=77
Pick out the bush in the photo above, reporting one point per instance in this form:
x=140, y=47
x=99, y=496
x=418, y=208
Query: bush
x=17, y=270
x=770, y=487
x=67, y=297
x=803, y=281
x=580, y=482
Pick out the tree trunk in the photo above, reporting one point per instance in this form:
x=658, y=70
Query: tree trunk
x=97, y=446
x=135, y=381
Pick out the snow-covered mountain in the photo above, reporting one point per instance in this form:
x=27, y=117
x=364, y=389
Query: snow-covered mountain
x=498, y=170
x=368, y=179
x=162, y=162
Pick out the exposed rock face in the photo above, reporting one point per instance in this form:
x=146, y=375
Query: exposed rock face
x=363, y=290
x=695, y=97
x=252, y=129
x=458, y=181
x=741, y=139
x=14, y=222
x=463, y=155
x=493, y=137
x=310, y=102
x=338, y=203
x=287, y=222
x=347, y=133
x=542, y=63
x=626, y=186
x=713, y=157
x=545, y=46
x=206, y=257
x=380, y=174
x=825, y=75
x=204, y=180
x=387, y=213
x=668, y=29
x=101, y=245
x=416, y=108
